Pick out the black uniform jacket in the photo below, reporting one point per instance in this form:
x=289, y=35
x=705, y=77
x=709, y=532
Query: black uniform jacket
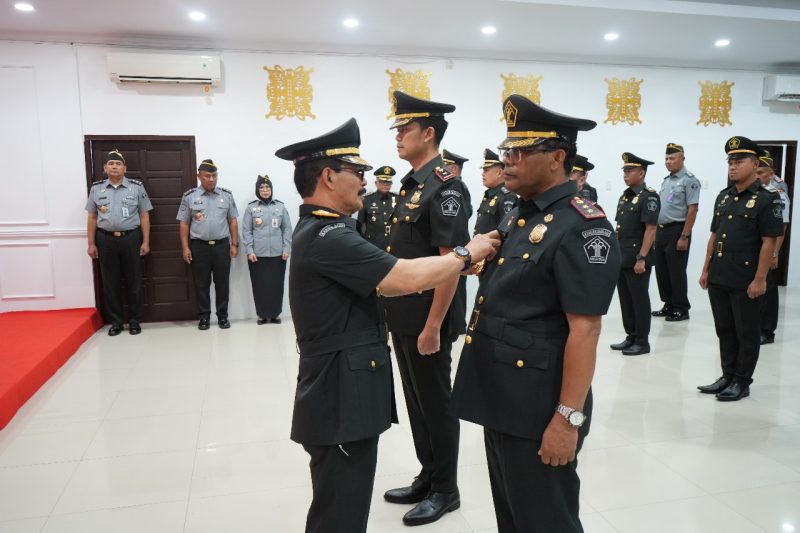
x=496, y=204
x=559, y=256
x=588, y=192
x=344, y=384
x=431, y=212
x=636, y=208
x=375, y=218
x=740, y=220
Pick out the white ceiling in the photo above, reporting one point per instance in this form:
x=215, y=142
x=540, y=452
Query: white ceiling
x=765, y=34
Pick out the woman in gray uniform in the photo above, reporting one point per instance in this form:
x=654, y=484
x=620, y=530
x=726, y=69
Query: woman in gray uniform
x=267, y=236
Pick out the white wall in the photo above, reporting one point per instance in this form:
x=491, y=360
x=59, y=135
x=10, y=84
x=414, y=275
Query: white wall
x=76, y=97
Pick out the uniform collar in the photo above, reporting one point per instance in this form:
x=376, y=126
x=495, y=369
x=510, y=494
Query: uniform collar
x=426, y=171
x=494, y=190
x=208, y=192
x=124, y=183
x=550, y=196
x=637, y=189
x=679, y=174
x=308, y=209
x=266, y=202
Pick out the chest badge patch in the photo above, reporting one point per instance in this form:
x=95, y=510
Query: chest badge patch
x=597, y=249
x=537, y=233
x=750, y=204
x=548, y=217
x=104, y=209
x=493, y=201
x=198, y=216
x=259, y=222
x=416, y=196
x=635, y=200
x=450, y=207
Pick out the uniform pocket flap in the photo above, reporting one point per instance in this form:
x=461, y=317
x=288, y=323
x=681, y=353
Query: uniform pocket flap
x=366, y=360
x=533, y=357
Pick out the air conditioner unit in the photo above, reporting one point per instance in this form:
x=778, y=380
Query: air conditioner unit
x=782, y=88
x=164, y=68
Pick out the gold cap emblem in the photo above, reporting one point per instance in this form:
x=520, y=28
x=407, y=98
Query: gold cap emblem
x=733, y=143
x=625, y=158
x=386, y=170
x=511, y=114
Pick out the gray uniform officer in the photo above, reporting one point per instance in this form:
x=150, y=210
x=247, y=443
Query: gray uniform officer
x=118, y=232
x=209, y=238
x=680, y=196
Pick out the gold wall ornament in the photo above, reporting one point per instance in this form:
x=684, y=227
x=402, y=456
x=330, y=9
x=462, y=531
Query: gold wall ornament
x=414, y=83
x=623, y=101
x=289, y=92
x=527, y=86
x=715, y=103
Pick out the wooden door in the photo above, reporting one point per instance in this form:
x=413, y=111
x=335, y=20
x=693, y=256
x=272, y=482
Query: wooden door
x=166, y=167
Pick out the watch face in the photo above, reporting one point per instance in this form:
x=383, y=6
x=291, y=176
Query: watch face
x=576, y=418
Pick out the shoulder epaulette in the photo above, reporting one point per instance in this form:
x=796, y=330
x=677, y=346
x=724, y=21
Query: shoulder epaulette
x=587, y=208
x=277, y=201
x=190, y=191
x=137, y=182
x=769, y=188
x=253, y=202
x=689, y=174
x=724, y=189
x=505, y=191
x=650, y=189
x=443, y=174
x=225, y=190
x=98, y=182
x=325, y=214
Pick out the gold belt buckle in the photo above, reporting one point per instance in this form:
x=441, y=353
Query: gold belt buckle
x=476, y=314
x=117, y=234
x=212, y=243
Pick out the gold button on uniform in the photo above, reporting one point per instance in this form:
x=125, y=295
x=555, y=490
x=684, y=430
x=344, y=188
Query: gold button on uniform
x=501, y=261
x=467, y=340
x=407, y=218
x=480, y=299
x=520, y=363
x=403, y=192
x=730, y=217
x=724, y=235
x=394, y=220
x=526, y=255
x=747, y=263
x=521, y=223
x=373, y=364
x=389, y=248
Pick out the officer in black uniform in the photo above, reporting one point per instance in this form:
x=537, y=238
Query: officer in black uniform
x=430, y=219
x=747, y=219
x=119, y=236
x=375, y=218
x=637, y=215
x=455, y=164
x=579, y=174
x=526, y=370
x=497, y=200
x=344, y=398
x=210, y=239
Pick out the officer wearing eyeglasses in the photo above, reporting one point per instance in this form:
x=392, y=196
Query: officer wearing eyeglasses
x=526, y=370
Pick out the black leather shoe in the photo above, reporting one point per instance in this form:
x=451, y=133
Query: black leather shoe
x=716, y=387
x=677, y=316
x=224, y=323
x=664, y=311
x=766, y=339
x=135, y=328
x=432, y=508
x=414, y=493
x=276, y=320
x=204, y=324
x=622, y=345
x=115, y=330
x=639, y=348
x=734, y=392
x=261, y=321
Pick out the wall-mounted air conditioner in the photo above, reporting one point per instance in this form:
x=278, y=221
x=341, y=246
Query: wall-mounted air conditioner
x=781, y=88
x=164, y=68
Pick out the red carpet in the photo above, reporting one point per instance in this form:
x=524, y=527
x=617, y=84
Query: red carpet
x=34, y=346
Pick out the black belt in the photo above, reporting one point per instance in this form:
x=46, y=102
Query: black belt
x=118, y=233
x=212, y=242
x=340, y=341
x=670, y=224
x=520, y=334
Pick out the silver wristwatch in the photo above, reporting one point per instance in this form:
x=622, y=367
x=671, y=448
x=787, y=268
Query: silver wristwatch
x=574, y=417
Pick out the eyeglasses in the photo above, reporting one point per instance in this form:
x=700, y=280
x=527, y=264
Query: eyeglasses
x=514, y=155
x=357, y=173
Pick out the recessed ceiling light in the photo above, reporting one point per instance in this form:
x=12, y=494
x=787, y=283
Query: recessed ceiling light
x=488, y=30
x=197, y=16
x=350, y=23
x=611, y=36
x=23, y=7
x=722, y=42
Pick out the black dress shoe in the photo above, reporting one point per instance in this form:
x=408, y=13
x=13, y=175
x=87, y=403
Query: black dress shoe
x=622, y=345
x=204, y=324
x=135, y=328
x=261, y=321
x=716, y=387
x=664, y=311
x=224, y=323
x=414, y=493
x=734, y=392
x=275, y=320
x=766, y=339
x=432, y=508
x=115, y=330
x=639, y=348
x=677, y=316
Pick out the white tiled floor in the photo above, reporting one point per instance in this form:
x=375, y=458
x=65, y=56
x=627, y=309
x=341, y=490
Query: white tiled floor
x=180, y=430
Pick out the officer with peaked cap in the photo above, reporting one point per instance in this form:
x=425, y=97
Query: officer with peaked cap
x=375, y=218
x=579, y=174
x=209, y=235
x=769, y=315
x=637, y=215
x=526, y=370
x=497, y=199
x=119, y=236
x=455, y=164
x=430, y=219
x=344, y=398
x=747, y=219
x=680, y=196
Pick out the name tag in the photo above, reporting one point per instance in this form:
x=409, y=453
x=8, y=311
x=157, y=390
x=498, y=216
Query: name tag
x=274, y=222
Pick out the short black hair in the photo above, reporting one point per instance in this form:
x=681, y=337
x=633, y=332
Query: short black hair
x=561, y=143
x=439, y=125
x=307, y=174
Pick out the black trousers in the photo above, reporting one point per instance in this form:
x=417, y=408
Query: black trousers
x=737, y=321
x=530, y=496
x=634, y=301
x=266, y=277
x=769, y=306
x=670, y=266
x=427, y=389
x=458, y=310
x=342, y=478
x=119, y=258
x=207, y=260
